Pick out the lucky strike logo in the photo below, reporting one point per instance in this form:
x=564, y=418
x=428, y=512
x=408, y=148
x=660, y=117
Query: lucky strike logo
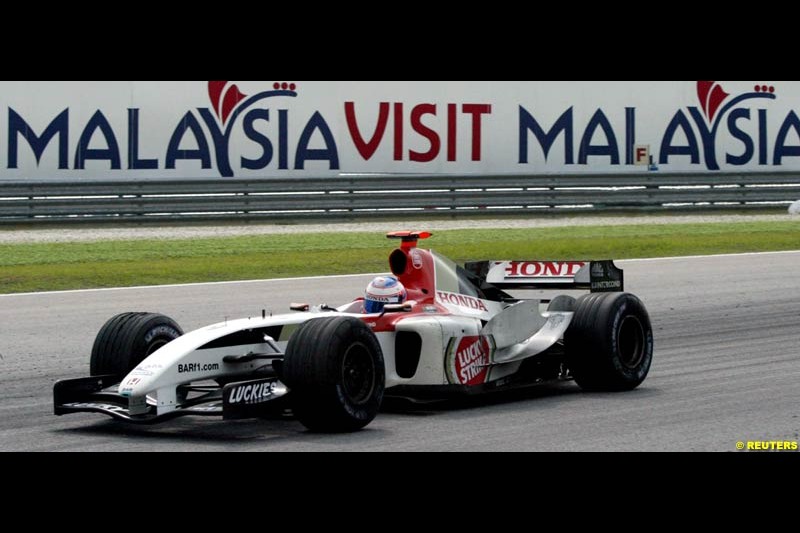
x=468, y=360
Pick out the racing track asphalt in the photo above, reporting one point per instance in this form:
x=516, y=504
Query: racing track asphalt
x=726, y=369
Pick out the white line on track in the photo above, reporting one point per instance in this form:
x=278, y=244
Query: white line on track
x=205, y=284
x=346, y=276
x=679, y=258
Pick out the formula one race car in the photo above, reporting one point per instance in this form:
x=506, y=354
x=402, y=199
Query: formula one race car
x=458, y=332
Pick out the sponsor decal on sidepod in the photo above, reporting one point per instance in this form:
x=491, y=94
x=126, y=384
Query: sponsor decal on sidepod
x=468, y=360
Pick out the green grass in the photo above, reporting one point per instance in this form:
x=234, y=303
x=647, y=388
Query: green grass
x=45, y=267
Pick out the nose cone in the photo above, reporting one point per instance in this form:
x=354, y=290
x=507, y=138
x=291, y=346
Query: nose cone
x=134, y=385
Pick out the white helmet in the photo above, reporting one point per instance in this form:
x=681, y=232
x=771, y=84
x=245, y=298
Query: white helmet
x=381, y=291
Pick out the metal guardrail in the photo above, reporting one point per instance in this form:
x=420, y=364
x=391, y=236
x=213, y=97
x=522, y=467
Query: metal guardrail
x=351, y=197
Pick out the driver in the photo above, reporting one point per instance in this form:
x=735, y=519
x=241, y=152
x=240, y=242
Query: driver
x=381, y=291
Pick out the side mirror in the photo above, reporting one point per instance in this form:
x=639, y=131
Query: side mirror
x=398, y=308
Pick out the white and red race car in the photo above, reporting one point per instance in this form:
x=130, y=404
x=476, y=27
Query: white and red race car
x=458, y=332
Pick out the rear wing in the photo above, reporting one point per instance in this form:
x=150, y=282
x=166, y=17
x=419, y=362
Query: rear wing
x=596, y=276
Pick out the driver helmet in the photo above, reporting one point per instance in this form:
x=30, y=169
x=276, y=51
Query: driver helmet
x=381, y=291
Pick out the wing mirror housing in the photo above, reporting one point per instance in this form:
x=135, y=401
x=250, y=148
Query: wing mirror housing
x=406, y=307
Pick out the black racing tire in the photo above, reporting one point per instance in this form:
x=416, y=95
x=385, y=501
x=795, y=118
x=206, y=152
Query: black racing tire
x=609, y=344
x=335, y=373
x=127, y=339
x=563, y=303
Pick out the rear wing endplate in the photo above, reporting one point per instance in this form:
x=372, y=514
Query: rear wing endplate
x=596, y=276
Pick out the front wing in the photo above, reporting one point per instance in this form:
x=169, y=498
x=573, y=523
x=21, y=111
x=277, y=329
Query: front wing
x=248, y=399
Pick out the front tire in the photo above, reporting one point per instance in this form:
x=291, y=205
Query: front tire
x=334, y=369
x=609, y=345
x=128, y=339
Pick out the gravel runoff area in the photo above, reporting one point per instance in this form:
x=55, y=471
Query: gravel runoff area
x=94, y=234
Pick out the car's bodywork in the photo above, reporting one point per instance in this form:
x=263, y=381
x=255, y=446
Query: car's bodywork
x=459, y=331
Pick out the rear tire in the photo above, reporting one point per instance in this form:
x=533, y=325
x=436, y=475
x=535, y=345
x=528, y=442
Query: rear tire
x=335, y=373
x=609, y=345
x=127, y=339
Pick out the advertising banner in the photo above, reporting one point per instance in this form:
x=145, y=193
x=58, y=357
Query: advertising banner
x=250, y=129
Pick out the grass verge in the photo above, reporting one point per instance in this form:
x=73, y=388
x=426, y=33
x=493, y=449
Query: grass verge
x=62, y=266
